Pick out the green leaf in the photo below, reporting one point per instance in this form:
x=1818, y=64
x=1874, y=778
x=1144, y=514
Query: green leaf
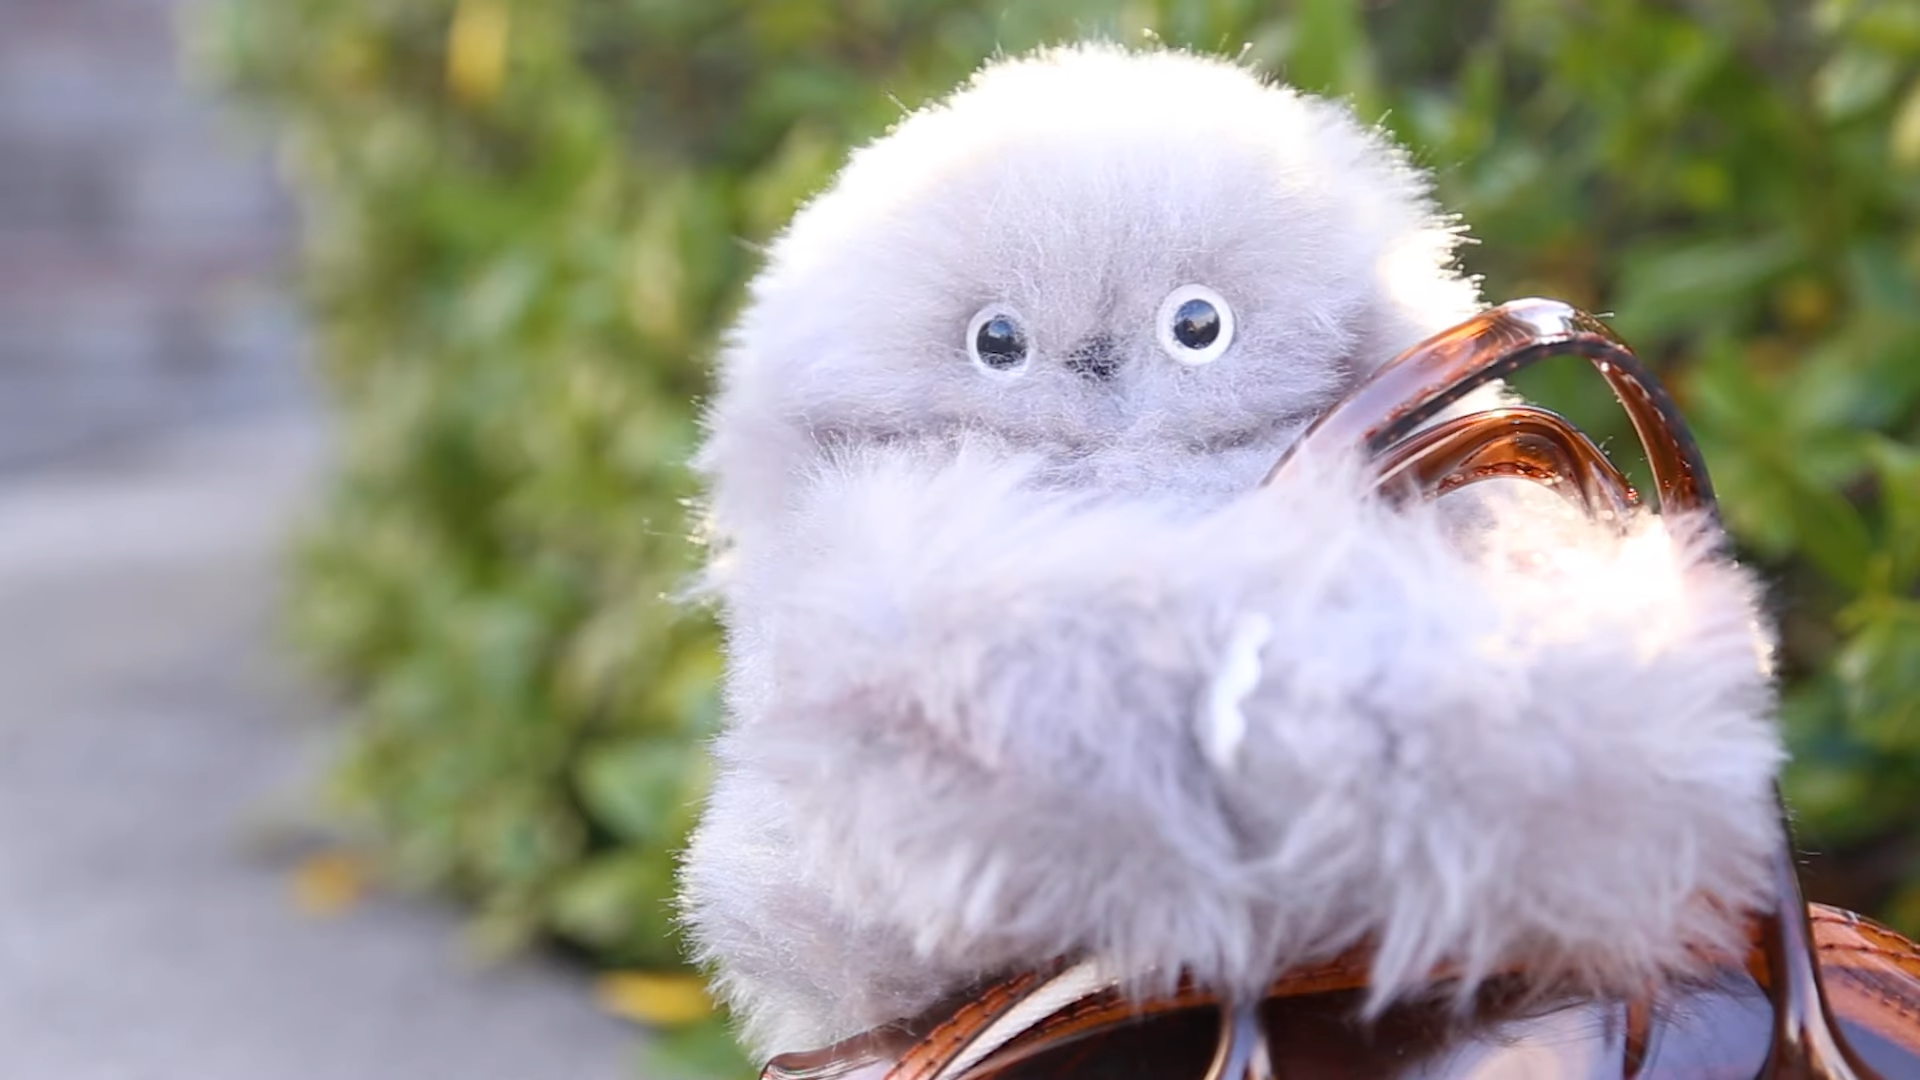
x=705, y=1051
x=1854, y=81
x=1880, y=278
x=622, y=904
x=1879, y=670
x=1666, y=285
x=1828, y=528
x=642, y=788
x=1903, y=134
x=1329, y=52
x=1897, y=466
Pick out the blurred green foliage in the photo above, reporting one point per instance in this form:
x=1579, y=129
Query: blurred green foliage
x=527, y=222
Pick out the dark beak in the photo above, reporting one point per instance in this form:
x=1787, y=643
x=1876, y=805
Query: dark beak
x=1094, y=358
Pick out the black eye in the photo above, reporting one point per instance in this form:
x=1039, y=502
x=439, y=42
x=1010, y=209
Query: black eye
x=1001, y=343
x=1196, y=325
x=997, y=341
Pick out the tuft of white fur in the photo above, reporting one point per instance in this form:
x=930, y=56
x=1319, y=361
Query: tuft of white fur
x=1031, y=670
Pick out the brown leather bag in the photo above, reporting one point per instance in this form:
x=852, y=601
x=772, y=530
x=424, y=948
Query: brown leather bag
x=1822, y=995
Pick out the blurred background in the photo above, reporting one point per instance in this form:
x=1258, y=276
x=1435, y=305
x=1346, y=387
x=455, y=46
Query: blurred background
x=348, y=358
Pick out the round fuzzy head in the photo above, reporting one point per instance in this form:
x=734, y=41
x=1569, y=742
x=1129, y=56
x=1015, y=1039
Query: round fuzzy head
x=1152, y=268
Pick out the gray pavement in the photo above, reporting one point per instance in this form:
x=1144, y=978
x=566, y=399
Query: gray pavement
x=145, y=723
x=141, y=236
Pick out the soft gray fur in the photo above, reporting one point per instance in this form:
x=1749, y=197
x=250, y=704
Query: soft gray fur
x=978, y=624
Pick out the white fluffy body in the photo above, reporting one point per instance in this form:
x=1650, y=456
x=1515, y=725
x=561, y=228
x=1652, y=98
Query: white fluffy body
x=1027, y=669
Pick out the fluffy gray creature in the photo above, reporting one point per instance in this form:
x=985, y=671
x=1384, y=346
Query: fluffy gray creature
x=1025, y=665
